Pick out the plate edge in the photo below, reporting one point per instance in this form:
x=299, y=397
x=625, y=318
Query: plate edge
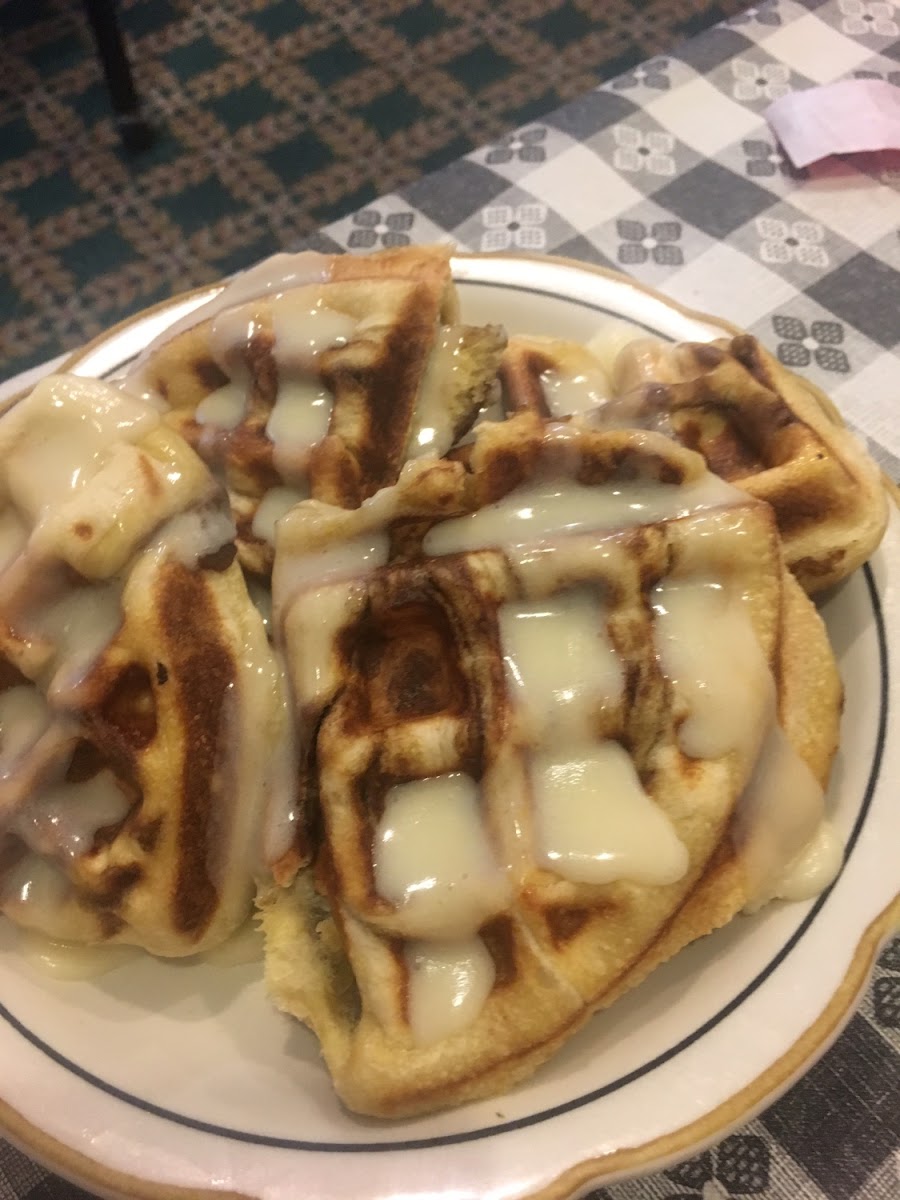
x=554, y=259
x=82, y=1170
x=765, y=1089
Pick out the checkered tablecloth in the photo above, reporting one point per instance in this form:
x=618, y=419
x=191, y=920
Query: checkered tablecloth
x=671, y=174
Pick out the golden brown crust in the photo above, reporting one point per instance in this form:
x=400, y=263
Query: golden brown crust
x=757, y=425
x=384, y=382
x=417, y=688
x=129, y=647
x=408, y=680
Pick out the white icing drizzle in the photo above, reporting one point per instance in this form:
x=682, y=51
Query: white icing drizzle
x=13, y=537
x=267, y=764
x=778, y=827
x=281, y=801
x=64, y=819
x=68, y=435
x=273, y=276
x=77, y=627
x=560, y=664
x=305, y=326
x=710, y=652
x=449, y=983
x=353, y=558
x=640, y=361
x=433, y=859
x=302, y=328
x=56, y=440
x=596, y=824
x=24, y=716
x=82, y=430
x=431, y=431
x=814, y=868
x=537, y=511
x=274, y=504
x=315, y=622
x=230, y=335
x=262, y=601
x=33, y=890
x=609, y=340
x=567, y=394
x=190, y=536
x=298, y=421
x=69, y=961
x=224, y=407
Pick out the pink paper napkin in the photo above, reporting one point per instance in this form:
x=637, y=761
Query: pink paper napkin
x=839, y=118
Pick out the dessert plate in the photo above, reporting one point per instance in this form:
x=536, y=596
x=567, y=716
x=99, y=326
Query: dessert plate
x=166, y=1079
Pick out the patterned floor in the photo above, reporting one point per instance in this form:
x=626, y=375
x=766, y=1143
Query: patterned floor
x=274, y=117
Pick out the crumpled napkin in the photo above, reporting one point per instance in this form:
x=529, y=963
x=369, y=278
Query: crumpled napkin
x=849, y=117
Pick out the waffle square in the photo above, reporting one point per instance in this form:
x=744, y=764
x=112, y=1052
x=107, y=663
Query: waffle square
x=132, y=667
x=757, y=425
x=323, y=384
x=533, y=683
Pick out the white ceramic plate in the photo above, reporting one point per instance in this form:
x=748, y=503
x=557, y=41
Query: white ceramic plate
x=164, y=1076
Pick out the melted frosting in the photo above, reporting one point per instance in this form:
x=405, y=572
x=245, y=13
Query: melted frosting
x=449, y=983
x=276, y=502
x=63, y=820
x=70, y=962
x=596, y=824
x=567, y=394
x=706, y=643
x=299, y=419
x=433, y=860
x=59, y=437
x=33, y=891
x=77, y=628
x=639, y=361
x=13, y=537
x=778, y=826
x=190, y=536
x=24, y=716
x=560, y=664
x=814, y=868
x=304, y=327
x=609, y=340
x=224, y=407
x=353, y=558
x=433, y=426
x=271, y=277
x=537, y=511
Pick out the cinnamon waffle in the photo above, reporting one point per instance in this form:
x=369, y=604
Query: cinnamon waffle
x=138, y=693
x=757, y=425
x=550, y=692
x=546, y=681
x=320, y=376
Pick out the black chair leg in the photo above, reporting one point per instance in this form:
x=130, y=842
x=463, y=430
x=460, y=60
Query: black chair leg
x=134, y=129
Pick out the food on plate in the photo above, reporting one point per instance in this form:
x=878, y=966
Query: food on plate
x=324, y=388
x=477, y=664
x=555, y=692
x=138, y=709
x=757, y=425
